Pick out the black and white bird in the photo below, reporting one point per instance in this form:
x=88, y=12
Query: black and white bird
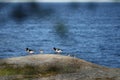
x=57, y=50
x=29, y=51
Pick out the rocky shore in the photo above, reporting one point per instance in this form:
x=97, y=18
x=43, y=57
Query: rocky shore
x=54, y=67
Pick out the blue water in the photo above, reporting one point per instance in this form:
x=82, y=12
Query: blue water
x=90, y=31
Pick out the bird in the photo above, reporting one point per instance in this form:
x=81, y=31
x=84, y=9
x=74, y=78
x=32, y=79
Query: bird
x=71, y=55
x=57, y=50
x=29, y=51
x=41, y=51
x=68, y=55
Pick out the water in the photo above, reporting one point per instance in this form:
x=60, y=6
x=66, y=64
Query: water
x=89, y=31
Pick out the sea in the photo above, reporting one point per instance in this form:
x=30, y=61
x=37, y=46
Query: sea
x=89, y=31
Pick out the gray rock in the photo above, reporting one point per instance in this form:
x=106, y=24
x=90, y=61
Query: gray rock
x=69, y=68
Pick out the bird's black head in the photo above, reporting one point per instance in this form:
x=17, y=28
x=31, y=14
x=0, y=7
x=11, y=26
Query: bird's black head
x=54, y=48
x=27, y=49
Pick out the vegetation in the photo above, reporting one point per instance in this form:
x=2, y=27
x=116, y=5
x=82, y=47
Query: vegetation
x=37, y=70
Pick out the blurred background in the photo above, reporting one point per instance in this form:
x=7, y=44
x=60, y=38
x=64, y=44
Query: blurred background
x=59, y=0
x=90, y=31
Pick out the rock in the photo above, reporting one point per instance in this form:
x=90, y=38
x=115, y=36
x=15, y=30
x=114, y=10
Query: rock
x=56, y=67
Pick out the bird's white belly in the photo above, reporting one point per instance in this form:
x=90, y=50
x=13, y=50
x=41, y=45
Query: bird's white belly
x=31, y=52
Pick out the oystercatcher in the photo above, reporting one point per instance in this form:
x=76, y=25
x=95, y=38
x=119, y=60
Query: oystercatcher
x=29, y=51
x=57, y=50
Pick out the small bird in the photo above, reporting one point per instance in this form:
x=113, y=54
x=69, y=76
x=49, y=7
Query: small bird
x=41, y=51
x=71, y=55
x=57, y=50
x=29, y=51
x=68, y=55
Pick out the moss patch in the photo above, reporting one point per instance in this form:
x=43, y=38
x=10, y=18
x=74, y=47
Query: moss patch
x=36, y=71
